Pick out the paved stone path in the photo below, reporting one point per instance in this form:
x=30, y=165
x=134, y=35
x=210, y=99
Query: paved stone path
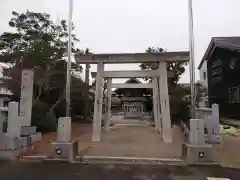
x=64, y=171
x=132, y=141
x=120, y=141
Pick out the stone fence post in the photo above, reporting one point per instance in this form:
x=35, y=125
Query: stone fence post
x=216, y=119
x=13, y=128
x=196, y=134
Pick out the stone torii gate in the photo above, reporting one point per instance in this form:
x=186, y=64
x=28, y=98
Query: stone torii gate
x=159, y=85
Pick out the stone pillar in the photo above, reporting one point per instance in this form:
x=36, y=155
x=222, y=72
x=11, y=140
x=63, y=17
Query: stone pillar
x=64, y=129
x=213, y=126
x=155, y=105
x=196, y=134
x=216, y=119
x=13, y=128
x=1, y=102
x=1, y=121
x=97, y=118
x=87, y=113
x=87, y=74
x=1, y=115
x=108, y=104
x=25, y=112
x=164, y=99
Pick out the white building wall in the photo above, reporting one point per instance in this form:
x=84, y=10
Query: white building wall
x=203, y=74
x=204, y=81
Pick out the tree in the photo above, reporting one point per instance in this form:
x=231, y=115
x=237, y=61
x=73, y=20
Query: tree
x=38, y=43
x=37, y=40
x=201, y=92
x=177, y=68
x=179, y=107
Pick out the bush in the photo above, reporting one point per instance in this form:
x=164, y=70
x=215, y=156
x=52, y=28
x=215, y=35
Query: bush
x=44, y=121
x=179, y=111
x=179, y=105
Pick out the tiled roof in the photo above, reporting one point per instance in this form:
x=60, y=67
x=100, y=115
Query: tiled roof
x=231, y=43
x=228, y=42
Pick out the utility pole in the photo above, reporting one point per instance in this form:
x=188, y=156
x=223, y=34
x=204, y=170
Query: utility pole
x=192, y=61
x=68, y=78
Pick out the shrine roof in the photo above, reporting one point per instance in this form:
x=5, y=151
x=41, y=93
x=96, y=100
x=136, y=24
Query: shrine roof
x=132, y=81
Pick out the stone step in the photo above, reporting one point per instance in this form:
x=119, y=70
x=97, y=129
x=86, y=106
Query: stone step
x=130, y=160
x=36, y=137
x=111, y=160
x=7, y=143
x=12, y=148
x=28, y=130
x=11, y=154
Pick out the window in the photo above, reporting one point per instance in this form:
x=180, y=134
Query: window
x=204, y=75
x=234, y=95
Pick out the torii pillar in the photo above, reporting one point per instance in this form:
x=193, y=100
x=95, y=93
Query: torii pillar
x=156, y=105
x=164, y=101
x=108, y=104
x=97, y=118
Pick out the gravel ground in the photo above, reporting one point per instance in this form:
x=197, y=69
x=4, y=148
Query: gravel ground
x=138, y=142
x=64, y=171
x=120, y=141
x=132, y=141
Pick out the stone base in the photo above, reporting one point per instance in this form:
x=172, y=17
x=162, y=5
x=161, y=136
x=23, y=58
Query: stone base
x=7, y=143
x=64, y=150
x=36, y=137
x=10, y=154
x=213, y=139
x=195, y=154
x=28, y=130
x=11, y=148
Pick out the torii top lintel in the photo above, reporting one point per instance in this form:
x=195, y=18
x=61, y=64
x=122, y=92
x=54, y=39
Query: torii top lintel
x=182, y=56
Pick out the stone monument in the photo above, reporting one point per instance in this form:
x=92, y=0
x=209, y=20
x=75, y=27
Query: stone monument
x=25, y=112
x=20, y=133
x=212, y=123
x=11, y=143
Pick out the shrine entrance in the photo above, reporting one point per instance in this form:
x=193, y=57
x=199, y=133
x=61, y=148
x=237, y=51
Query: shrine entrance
x=133, y=109
x=159, y=77
x=133, y=100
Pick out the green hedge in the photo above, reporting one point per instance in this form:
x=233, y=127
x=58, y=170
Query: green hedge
x=44, y=121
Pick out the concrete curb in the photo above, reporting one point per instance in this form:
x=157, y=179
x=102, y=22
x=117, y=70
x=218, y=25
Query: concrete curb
x=109, y=159
x=132, y=160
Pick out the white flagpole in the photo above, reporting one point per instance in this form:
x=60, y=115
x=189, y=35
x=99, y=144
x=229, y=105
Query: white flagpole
x=192, y=63
x=68, y=78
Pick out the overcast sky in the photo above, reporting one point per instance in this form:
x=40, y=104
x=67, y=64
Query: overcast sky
x=114, y=26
